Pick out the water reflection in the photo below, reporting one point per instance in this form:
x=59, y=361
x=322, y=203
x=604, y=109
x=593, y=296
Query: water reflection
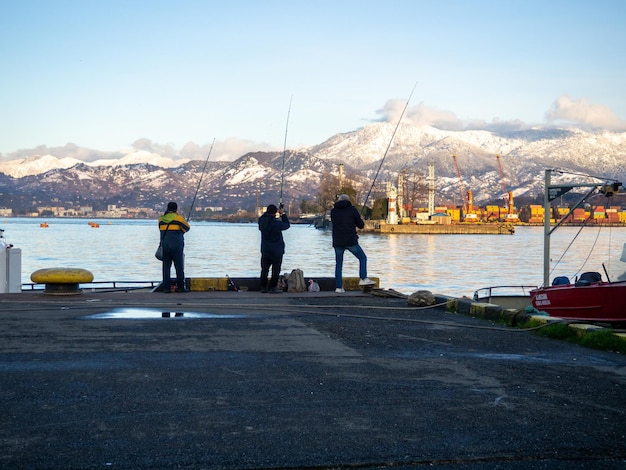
x=169, y=314
x=445, y=264
x=147, y=313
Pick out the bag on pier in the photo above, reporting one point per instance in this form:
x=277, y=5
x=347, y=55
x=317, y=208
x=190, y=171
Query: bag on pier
x=159, y=253
x=295, y=281
x=313, y=286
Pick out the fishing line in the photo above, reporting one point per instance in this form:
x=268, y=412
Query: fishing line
x=386, y=151
x=569, y=246
x=593, y=246
x=282, y=172
x=200, y=180
x=566, y=172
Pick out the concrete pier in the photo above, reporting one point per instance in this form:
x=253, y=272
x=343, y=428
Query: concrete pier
x=441, y=229
x=236, y=380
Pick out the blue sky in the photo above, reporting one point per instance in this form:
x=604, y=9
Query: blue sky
x=112, y=75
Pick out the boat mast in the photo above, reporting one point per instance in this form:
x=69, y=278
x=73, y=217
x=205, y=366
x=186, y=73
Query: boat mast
x=546, y=229
x=552, y=192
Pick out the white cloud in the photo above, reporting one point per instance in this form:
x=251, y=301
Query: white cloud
x=421, y=115
x=165, y=150
x=69, y=150
x=223, y=150
x=584, y=114
x=418, y=115
x=564, y=111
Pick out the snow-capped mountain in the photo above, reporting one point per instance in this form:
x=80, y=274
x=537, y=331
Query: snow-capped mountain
x=144, y=179
x=141, y=156
x=36, y=165
x=524, y=156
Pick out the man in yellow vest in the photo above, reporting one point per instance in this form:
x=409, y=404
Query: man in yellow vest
x=172, y=227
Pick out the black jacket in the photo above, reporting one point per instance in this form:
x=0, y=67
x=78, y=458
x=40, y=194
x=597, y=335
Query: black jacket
x=272, y=243
x=345, y=219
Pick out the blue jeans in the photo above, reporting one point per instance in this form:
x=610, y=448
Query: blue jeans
x=357, y=251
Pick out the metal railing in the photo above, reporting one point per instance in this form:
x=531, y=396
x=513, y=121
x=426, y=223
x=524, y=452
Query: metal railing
x=501, y=291
x=101, y=285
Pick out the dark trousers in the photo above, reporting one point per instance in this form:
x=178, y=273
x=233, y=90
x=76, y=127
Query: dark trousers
x=173, y=255
x=275, y=262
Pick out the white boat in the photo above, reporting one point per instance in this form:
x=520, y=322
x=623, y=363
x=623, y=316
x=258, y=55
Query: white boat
x=511, y=297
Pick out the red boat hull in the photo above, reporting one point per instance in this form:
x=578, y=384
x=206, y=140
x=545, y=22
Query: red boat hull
x=602, y=301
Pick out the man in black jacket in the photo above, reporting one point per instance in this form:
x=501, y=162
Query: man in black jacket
x=345, y=220
x=272, y=246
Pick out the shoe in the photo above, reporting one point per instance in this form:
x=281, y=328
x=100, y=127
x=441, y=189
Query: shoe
x=276, y=290
x=264, y=290
x=339, y=290
x=181, y=291
x=367, y=282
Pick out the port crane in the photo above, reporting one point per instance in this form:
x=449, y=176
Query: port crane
x=466, y=204
x=507, y=195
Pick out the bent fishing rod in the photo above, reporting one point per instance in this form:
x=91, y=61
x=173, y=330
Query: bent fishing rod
x=200, y=180
x=386, y=151
x=282, y=172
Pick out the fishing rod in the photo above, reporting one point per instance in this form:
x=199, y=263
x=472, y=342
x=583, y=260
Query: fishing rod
x=200, y=180
x=282, y=173
x=388, y=146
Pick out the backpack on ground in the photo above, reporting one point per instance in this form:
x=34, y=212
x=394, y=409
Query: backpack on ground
x=282, y=282
x=295, y=281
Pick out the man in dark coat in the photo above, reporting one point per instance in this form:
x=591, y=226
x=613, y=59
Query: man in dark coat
x=172, y=228
x=345, y=220
x=272, y=246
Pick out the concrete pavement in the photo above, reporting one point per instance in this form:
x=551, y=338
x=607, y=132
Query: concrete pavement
x=236, y=380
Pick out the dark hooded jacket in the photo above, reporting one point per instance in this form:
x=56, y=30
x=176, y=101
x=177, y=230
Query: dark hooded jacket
x=345, y=219
x=272, y=243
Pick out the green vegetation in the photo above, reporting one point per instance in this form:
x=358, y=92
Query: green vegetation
x=604, y=340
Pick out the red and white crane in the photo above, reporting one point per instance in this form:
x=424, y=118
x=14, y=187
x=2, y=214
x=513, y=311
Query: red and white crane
x=507, y=195
x=466, y=207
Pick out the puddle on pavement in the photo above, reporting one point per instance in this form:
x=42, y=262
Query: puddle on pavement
x=149, y=313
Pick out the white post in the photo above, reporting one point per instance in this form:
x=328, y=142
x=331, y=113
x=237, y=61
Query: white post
x=392, y=216
x=546, y=229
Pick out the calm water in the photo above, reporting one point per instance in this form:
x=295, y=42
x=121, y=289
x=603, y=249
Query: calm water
x=123, y=250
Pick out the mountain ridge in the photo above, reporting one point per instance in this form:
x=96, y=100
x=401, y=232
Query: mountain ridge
x=146, y=178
